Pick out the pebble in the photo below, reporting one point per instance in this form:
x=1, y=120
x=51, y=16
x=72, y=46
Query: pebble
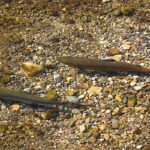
x=131, y=102
x=1, y=67
x=94, y=90
x=126, y=10
x=82, y=128
x=102, y=127
x=117, y=57
x=140, y=109
x=3, y=128
x=72, y=122
x=138, y=87
x=104, y=1
x=117, y=13
x=107, y=89
x=57, y=78
x=76, y=111
x=5, y=79
x=30, y=69
x=85, y=148
x=38, y=87
x=51, y=113
x=81, y=96
x=119, y=98
x=139, y=146
x=15, y=107
x=116, y=111
x=94, y=132
x=115, y=123
x=72, y=99
x=71, y=92
x=133, y=83
x=126, y=46
x=106, y=137
x=113, y=51
x=49, y=65
x=52, y=95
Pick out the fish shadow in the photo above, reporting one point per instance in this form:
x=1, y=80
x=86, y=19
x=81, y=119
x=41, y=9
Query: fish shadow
x=109, y=73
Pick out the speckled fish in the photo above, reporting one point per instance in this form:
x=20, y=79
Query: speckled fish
x=102, y=65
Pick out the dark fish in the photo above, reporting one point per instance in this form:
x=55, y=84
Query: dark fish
x=102, y=65
x=20, y=96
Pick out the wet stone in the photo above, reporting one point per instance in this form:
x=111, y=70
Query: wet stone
x=115, y=124
x=3, y=128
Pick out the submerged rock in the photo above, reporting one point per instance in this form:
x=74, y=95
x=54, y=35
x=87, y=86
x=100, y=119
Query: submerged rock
x=30, y=69
x=72, y=99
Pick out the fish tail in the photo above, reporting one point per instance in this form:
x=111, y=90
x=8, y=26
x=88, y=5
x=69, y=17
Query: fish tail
x=144, y=70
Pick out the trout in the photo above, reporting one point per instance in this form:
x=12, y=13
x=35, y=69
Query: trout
x=20, y=96
x=102, y=65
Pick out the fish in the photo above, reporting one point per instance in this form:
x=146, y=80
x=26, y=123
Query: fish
x=8, y=94
x=102, y=65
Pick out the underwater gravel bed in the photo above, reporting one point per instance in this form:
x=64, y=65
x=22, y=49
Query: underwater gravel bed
x=39, y=32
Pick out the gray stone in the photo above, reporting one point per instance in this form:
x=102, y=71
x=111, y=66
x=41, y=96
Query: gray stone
x=115, y=124
x=72, y=99
x=57, y=78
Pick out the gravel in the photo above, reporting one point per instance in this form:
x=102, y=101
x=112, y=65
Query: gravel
x=40, y=31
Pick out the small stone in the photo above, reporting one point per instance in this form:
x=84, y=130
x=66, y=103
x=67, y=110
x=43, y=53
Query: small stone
x=38, y=87
x=126, y=10
x=116, y=111
x=85, y=148
x=102, y=127
x=49, y=65
x=72, y=99
x=72, y=123
x=131, y=102
x=57, y=78
x=117, y=57
x=106, y=137
x=7, y=71
x=1, y=67
x=117, y=13
x=92, y=140
x=5, y=79
x=140, y=109
x=15, y=107
x=52, y=95
x=71, y=92
x=119, y=98
x=104, y=1
x=107, y=89
x=139, y=146
x=87, y=121
x=126, y=46
x=30, y=69
x=115, y=124
x=94, y=90
x=133, y=83
x=81, y=96
x=82, y=128
x=94, y=132
x=3, y=128
x=124, y=110
x=112, y=52
x=52, y=113
x=76, y=111
x=138, y=87
x=128, y=21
